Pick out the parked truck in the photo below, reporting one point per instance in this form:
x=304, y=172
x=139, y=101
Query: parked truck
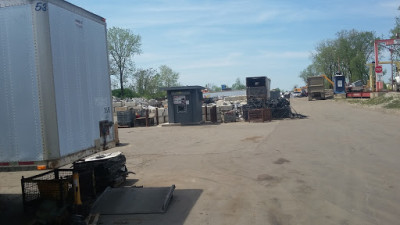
x=55, y=97
x=316, y=87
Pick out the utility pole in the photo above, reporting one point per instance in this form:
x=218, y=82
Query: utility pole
x=391, y=66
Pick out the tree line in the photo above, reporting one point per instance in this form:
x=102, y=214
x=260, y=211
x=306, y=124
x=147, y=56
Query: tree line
x=238, y=85
x=123, y=45
x=348, y=53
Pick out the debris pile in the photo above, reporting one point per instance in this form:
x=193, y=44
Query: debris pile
x=280, y=108
x=108, y=170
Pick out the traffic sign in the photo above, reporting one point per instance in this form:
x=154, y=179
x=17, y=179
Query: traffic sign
x=378, y=69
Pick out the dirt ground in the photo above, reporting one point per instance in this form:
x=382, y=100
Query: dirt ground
x=337, y=166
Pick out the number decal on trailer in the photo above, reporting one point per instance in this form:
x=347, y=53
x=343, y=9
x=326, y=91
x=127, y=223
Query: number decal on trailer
x=41, y=6
x=107, y=110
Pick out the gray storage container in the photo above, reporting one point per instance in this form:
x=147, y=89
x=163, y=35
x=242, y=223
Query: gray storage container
x=258, y=87
x=184, y=104
x=126, y=118
x=55, y=92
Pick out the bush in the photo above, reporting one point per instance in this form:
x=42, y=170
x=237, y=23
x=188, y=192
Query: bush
x=128, y=93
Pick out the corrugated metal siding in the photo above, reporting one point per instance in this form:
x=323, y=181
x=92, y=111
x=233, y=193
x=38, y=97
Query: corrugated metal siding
x=80, y=68
x=20, y=133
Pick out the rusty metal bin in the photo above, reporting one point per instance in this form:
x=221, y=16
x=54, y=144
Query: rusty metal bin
x=53, y=185
x=259, y=115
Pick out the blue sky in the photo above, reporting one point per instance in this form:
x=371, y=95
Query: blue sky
x=221, y=40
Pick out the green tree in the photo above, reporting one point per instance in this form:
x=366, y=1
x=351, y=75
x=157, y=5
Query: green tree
x=213, y=88
x=122, y=46
x=216, y=88
x=168, y=78
x=146, y=81
x=395, y=33
x=310, y=71
x=354, y=50
x=396, y=29
x=324, y=60
x=238, y=85
x=277, y=89
x=128, y=93
x=349, y=53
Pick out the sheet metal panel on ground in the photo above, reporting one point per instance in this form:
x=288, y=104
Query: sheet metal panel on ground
x=132, y=200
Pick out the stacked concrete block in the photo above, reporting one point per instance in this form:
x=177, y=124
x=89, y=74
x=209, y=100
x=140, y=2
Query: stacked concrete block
x=122, y=108
x=118, y=104
x=225, y=108
x=209, y=106
x=163, y=115
x=229, y=116
x=130, y=104
x=235, y=98
x=204, y=114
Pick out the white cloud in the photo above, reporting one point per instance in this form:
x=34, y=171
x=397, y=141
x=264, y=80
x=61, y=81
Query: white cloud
x=285, y=55
x=221, y=40
x=229, y=60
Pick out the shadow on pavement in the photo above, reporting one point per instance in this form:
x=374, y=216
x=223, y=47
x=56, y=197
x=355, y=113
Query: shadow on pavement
x=12, y=211
x=182, y=203
x=122, y=144
x=129, y=182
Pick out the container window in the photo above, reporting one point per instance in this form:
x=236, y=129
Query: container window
x=181, y=108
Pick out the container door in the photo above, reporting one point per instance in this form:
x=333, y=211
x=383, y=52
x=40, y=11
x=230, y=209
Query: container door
x=183, y=108
x=81, y=79
x=20, y=132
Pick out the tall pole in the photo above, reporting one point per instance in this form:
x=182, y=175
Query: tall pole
x=391, y=66
x=376, y=42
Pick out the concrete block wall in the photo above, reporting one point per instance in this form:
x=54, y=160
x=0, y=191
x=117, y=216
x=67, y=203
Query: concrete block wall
x=130, y=104
x=235, y=98
x=162, y=112
x=219, y=114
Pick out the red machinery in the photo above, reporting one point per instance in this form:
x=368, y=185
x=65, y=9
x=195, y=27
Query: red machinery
x=378, y=68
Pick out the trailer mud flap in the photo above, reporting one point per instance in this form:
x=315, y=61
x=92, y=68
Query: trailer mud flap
x=132, y=200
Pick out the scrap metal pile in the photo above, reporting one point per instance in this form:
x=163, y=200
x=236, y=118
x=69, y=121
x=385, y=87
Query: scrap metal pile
x=280, y=108
x=107, y=169
x=259, y=100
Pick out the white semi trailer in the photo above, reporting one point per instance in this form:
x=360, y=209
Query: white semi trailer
x=55, y=97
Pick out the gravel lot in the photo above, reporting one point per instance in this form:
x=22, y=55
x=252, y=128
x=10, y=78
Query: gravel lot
x=337, y=166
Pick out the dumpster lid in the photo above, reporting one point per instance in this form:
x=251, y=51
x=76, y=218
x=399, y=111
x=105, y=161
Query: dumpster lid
x=101, y=156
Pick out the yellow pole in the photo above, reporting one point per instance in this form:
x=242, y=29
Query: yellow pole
x=77, y=192
x=371, y=83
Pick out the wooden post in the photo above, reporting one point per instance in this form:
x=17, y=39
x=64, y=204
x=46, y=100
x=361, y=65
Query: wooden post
x=147, y=117
x=157, y=116
x=206, y=114
x=116, y=136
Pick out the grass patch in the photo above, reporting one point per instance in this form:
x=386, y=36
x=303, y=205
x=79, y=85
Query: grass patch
x=388, y=102
x=355, y=101
x=395, y=104
x=377, y=101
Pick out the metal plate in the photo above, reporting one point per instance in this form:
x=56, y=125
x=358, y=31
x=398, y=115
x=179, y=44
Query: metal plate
x=131, y=200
